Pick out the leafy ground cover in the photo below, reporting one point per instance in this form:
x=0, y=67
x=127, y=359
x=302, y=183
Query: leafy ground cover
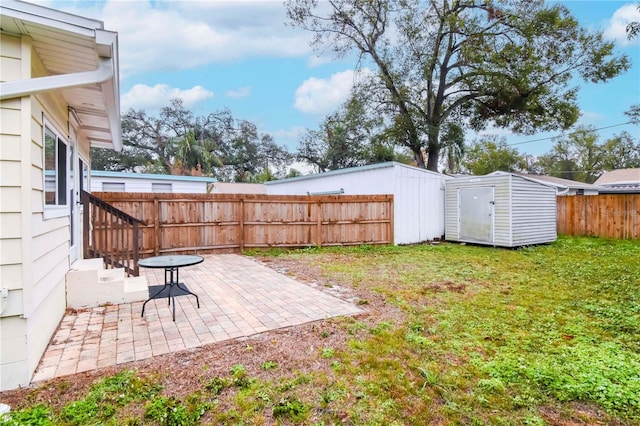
x=449, y=334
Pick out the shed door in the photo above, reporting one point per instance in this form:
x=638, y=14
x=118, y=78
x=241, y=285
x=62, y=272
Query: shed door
x=476, y=214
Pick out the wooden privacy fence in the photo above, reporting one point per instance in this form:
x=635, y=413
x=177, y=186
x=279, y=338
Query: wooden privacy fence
x=205, y=223
x=605, y=215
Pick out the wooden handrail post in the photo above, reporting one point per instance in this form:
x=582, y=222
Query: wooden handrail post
x=136, y=255
x=107, y=233
x=85, y=224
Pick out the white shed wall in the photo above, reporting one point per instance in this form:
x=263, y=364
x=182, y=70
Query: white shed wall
x=418, y=195
x=534, y=214
x=524, y=210
x=418, y=205
x=238, y=188
x=501, y=210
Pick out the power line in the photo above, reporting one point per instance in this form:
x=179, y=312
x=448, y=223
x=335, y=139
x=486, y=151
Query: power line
x=568, y=134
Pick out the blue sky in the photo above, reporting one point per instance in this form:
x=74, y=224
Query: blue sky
x=240, y=55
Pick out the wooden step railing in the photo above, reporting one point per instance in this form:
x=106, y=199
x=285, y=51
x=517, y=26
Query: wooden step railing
x=111, y=234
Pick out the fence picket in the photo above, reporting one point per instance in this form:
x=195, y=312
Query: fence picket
x=204, y=223
x=605, y=215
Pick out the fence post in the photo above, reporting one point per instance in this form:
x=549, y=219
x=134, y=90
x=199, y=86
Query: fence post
x=319, y=224
x=156, y=226
x=391, y=220
x=241, y=224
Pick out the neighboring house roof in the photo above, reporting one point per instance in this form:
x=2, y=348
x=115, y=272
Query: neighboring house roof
x=150, y=176
x=81, y=61
x=350, y=170
x=620, y=177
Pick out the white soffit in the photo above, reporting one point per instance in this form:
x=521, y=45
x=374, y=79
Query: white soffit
x=81, y=59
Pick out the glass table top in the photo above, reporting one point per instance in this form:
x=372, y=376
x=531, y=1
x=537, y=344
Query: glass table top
x=170, y=261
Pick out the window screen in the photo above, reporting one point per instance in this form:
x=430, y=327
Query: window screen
x=160, y=187
x=113, y=186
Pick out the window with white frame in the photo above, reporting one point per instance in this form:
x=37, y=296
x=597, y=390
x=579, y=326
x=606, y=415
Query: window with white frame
x=113, y=186
x=56, y=172
x=160, y=187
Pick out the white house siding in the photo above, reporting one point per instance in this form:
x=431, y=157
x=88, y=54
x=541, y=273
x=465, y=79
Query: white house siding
x=418, y=195
x=13, y=155
x=35, y=267
x=534, y=213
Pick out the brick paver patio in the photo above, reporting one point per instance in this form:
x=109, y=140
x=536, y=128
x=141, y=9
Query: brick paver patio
x=238, y=297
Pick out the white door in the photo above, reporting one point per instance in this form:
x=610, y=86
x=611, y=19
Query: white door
x=75, y=171
x=476, y=214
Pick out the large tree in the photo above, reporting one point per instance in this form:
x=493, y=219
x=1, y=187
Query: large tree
x=492, y=154
x=621, y=152
x=452, y=146
x=347, y=138
x=581, y=156
x=509, y=63
x=180, y=143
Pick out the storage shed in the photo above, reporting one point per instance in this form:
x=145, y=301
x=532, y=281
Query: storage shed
x=501, y=209
x=418, y=194
x=108, y=181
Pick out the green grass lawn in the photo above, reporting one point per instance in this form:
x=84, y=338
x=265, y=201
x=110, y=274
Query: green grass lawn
x=477, y=335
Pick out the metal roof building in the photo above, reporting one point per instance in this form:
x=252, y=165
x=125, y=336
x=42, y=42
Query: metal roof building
x=418, y=194
x=108, y=181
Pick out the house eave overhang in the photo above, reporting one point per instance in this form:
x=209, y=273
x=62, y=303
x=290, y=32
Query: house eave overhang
x=103, y=79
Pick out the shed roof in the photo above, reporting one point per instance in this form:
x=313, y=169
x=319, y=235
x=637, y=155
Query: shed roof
x=151, y=176
x=367, y=167
x=565, y=183
x=529, y=178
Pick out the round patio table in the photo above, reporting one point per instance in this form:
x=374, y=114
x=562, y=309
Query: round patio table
x=171, y=264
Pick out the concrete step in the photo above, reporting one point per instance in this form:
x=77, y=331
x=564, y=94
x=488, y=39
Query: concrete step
x=136, y=289
x=87, y=264
x=90, y=285
x=106, y=276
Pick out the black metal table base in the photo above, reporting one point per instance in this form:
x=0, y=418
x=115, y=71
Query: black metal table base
x=171, y=283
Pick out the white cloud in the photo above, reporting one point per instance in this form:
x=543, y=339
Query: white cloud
x=241, y=92
x=617, y=25
x=182, y=35
x=316, y=61
x=318, y=96
x=290, y=138
x=589, y=117
x=303, y=167
x=152, y=98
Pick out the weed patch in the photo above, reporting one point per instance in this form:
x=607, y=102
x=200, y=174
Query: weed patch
x=450, y=334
